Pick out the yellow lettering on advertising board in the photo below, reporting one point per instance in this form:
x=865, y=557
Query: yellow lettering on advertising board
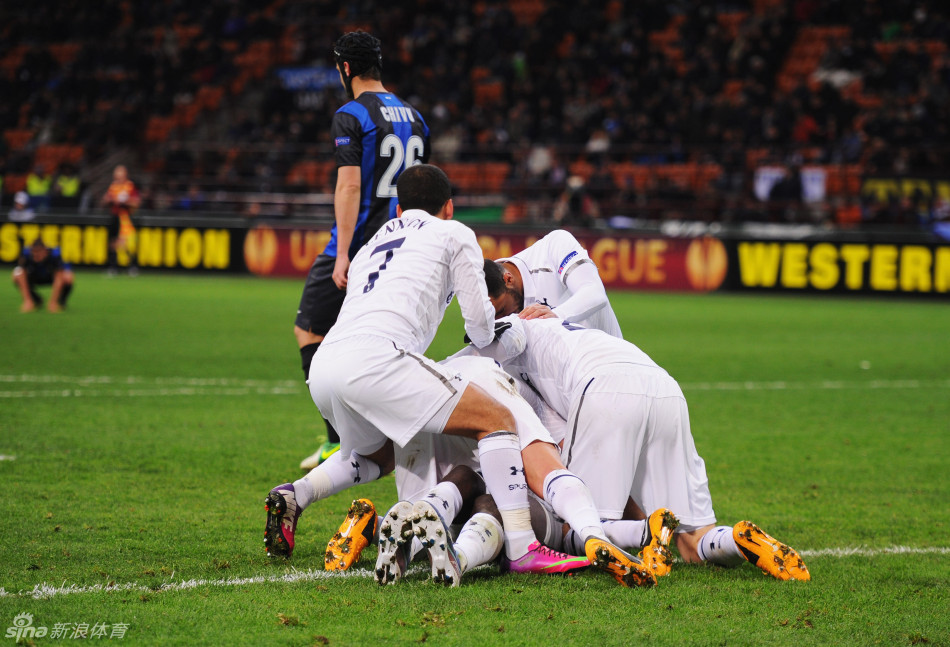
x=305, y=246
x=854, y=257
x=9, y=242
x=189, y=248
x=795, y=265
x=70, y=244
x=824, y=272
x=217, y=252
x=915, y=269
x=883, y=268
x=942, y=270
x=150, y=247
x=759, y=264
x=603, y=254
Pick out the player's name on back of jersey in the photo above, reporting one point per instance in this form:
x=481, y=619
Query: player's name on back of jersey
x=397, y=114
x=402, y=223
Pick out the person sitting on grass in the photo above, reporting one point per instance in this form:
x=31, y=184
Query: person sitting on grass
x=40, y=265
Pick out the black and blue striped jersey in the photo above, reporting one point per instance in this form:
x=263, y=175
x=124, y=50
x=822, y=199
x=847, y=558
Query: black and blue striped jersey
x=42, y=272
x=381, y=134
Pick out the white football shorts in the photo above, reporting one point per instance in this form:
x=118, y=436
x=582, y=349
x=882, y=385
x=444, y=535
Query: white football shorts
x=427, y=458
x=370, y=390
x=628, y=435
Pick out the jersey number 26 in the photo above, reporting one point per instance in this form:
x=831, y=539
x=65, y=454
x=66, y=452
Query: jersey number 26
x=401, y=158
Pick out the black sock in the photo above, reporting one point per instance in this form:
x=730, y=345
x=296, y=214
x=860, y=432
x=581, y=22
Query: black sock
x=306, y=358
x=64, y=294
x=332, y=436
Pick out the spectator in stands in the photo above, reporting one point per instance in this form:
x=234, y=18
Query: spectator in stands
x=21, y=211
x=641, y=93
x=40, y=265
x=575, y=206
x=67, y=187
x=39, y=186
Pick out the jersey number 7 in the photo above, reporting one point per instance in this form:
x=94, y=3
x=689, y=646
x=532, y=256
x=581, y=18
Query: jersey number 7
x=389, y=248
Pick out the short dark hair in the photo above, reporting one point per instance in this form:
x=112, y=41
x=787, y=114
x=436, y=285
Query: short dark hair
x=494, y=278
x=423, y=186
x=362, y=51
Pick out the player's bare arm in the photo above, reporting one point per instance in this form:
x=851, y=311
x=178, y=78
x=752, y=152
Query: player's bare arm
x=346, y=206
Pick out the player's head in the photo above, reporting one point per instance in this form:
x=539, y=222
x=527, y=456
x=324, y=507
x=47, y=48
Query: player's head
x=120, y=174
x=501, y=290
x=39, y=250
x=426, y=187
x=358, y=53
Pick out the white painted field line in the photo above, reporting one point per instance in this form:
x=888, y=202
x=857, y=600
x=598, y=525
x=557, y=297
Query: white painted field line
x=46, y=591
x=134, y=386
x=862, y=551
x=818, y=385
x=133, y=379
x=151, y=393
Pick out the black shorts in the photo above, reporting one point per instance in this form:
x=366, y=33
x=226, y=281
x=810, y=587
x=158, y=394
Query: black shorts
x=38, y=278
x=321, y=300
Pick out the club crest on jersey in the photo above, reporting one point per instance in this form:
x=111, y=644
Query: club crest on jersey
x=567, y=259
x=342, y=141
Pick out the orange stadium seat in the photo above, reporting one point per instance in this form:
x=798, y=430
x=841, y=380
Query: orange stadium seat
x=158, y=128
x=18, y=138
x=312, y=173
x=495, y=174
x=489, y=93
x=627, y=173
x=13, y=183
x=64, y=52
x=581, y=168
x=52, y=155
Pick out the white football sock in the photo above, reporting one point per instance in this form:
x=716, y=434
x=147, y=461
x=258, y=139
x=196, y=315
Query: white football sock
x=480, y=541
x=571, y=500
x=503, y=471
x=446, y=498
x=334, y=475
x=627, y=533
x=719, y=547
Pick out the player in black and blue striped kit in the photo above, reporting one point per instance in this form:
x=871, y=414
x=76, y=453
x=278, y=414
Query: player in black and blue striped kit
x=376, y=135
x=40, y=265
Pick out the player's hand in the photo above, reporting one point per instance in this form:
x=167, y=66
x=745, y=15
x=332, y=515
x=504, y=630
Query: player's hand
x=340, y=270
x=537, y=311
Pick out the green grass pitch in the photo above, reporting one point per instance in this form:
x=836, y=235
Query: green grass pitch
x=140, y=431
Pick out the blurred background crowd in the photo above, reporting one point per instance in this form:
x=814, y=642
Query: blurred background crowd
x=832, y=112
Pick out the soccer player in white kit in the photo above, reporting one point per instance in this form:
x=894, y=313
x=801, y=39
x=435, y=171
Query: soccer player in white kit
x=554, y=272
x=628, y=437
x=555, y=277
x=371, y=381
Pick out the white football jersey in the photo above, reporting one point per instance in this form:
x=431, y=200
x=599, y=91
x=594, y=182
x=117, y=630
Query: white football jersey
x=403, y=279
x=557, y=358
x=545, y=267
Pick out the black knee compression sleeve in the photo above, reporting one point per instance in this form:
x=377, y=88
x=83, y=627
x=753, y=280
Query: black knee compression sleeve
x=306, y=358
